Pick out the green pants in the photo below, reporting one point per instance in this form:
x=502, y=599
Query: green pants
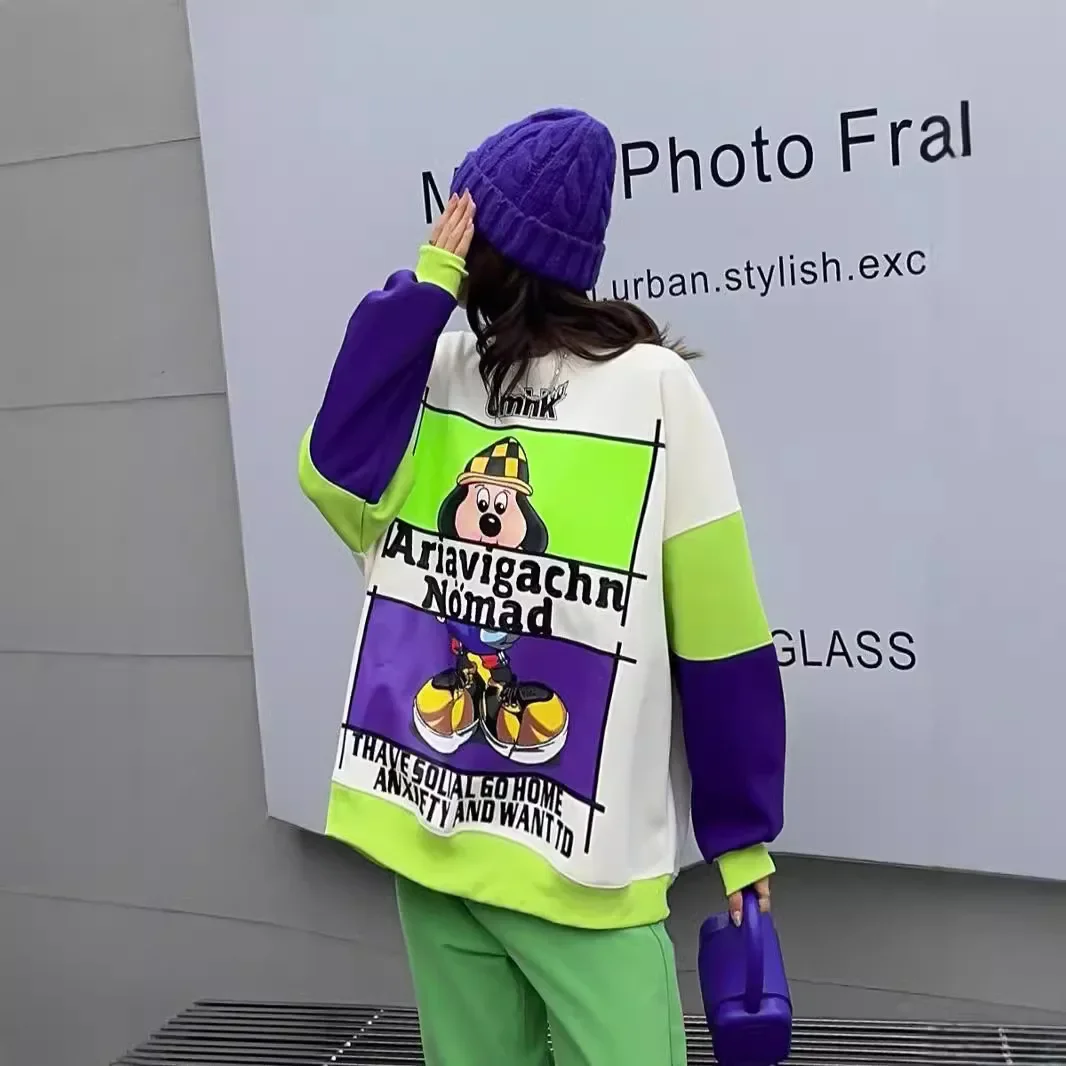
x=490, y=982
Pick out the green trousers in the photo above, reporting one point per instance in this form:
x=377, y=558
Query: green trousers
x=490, y=982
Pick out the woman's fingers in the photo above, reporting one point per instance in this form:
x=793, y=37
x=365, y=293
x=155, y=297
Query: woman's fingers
x=467, y=235
x=736, y=907
x=762, y=890
x=454, y=230
x=457, y=226
x=438, y=226
x=446, y=223
x=455, y=205
x=459, y=221
x=736, y=901
x=463, y=246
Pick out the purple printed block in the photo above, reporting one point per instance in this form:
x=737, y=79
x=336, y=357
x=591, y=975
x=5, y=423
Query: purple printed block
x=404, y=647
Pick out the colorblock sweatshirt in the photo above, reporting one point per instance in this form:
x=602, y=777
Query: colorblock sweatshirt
x=562, y=655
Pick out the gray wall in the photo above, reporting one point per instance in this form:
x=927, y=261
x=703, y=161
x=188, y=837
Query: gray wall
x=137, y=867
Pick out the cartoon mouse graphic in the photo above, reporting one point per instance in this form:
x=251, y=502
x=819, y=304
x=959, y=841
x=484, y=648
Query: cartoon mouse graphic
x=525, y=721
x=490, y=502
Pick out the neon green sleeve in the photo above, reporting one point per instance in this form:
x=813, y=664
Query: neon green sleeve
x=357, y=522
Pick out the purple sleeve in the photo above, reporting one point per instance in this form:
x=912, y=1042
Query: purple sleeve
x=733, y=719
x=375, y=390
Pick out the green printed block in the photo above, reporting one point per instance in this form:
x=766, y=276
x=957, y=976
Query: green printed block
x=586, y=493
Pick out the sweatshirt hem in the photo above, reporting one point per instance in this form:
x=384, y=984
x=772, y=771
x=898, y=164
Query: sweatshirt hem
x=485, y=868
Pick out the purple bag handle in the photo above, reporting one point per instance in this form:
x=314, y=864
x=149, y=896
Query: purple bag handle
x=754, y=953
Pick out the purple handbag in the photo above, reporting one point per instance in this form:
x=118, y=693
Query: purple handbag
x=745, y=991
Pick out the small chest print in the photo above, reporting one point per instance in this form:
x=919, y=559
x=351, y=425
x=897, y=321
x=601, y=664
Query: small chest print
x=533, y=403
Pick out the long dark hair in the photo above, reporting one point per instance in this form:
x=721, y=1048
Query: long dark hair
x=518, y=317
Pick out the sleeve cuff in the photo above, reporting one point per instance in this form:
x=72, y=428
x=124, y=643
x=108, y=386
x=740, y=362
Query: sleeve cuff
x=741, y=869
x=440, y=268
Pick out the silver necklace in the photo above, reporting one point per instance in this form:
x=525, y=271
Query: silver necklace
x=559, y=358
x=557, y=372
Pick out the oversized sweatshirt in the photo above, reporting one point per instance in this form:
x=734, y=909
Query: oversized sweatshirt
x=562, y=654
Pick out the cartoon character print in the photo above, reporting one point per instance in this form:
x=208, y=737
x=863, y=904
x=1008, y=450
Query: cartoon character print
x=525, y=721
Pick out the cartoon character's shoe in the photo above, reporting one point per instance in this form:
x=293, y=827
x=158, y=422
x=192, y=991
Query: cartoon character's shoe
x=444, y=712
x=528, y=724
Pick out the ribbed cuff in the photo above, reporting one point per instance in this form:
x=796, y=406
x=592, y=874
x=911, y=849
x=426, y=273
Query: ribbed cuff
x=440, y=268
x=741, y=869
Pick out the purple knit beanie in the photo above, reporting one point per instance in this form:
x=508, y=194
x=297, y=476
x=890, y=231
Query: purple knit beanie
x=542, y=187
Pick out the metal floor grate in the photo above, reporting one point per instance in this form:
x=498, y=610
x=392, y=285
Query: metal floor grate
x=221, y=1033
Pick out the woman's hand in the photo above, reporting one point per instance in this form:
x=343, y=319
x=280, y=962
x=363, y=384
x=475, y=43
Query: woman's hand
x=736, y=901
x=454, y=229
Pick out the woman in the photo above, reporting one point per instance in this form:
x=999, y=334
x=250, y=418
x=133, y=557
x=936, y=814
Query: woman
x=550, y=534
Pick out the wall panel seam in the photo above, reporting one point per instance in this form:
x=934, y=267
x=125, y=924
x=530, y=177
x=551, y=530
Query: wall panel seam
x=111, y=402
x=83, y=152
x=155, y=909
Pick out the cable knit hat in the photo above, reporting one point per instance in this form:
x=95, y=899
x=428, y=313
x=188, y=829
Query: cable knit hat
x=542, y=187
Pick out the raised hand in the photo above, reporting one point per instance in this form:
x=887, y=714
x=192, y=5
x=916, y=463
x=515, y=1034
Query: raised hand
x=454, y=230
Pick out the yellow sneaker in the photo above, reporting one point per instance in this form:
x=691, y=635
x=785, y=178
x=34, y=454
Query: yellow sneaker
x=444, y=712
x=527, y=724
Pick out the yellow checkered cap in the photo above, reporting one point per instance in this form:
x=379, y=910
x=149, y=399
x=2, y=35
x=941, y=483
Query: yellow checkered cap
x=501, y=463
